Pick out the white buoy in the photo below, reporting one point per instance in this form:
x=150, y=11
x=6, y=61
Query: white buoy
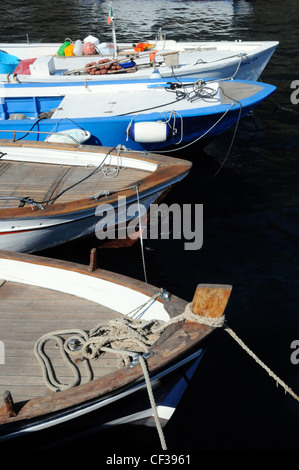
x=149, y=132
x=78, y=48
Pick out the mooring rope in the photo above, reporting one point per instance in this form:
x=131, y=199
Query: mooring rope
x=211, y=322
x=127, y=337
x=138, y=335
x=141, y=233
x=135, y=186
x=122, y=334
x=128, y=333
x=152, y=402
x=182, y=147
x=286, y=388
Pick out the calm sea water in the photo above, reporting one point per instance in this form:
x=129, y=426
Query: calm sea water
x=251, y=223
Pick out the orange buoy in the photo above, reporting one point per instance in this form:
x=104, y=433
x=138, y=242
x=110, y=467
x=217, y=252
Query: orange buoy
x=143, y=46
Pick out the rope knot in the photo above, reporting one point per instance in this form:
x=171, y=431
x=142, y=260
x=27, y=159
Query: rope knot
x=210, y=321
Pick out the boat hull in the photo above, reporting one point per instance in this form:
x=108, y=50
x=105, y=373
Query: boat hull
x=106, y=119
x=117, y=394
x=107, y=208
x=131, y=406
x=40, y=233
x=225, y=59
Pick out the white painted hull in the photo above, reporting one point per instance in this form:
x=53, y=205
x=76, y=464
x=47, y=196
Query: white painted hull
x=40, y=234
x=224, y=59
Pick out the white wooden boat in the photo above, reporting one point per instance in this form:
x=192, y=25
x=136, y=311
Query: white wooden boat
x=243, y=60
x=52, y=193
x=45, y=302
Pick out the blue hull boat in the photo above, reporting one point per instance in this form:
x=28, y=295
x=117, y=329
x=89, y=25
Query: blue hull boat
x=151, y=117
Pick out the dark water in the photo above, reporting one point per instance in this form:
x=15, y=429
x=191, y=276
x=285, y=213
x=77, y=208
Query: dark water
x=251, y=224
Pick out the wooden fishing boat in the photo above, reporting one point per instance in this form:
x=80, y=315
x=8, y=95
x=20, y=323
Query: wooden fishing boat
x=244, y=60
x=138, y=375
x=52, y=193
x=143, y=116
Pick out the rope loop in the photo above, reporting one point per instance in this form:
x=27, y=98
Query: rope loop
x=126, y=337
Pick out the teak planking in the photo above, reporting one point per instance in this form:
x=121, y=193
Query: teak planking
x=168, y=169
x=176, y=343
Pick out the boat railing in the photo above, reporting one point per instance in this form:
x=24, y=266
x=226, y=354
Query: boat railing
x=49, y=133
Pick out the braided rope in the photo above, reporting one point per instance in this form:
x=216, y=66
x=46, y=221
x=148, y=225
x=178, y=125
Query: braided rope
x=128, y=334
x=47, y=369
x=219, y=322
x=262, y=364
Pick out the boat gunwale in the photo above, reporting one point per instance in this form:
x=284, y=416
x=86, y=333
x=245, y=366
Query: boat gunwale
x=167, y=168
x=181, y=338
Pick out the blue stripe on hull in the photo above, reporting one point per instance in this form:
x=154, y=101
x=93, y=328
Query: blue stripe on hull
x=112, y=132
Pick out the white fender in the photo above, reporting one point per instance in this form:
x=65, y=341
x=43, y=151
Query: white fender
x=149, y=132
x=78, y=48
x=79, y=135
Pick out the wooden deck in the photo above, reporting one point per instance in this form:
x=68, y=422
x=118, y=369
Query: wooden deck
x=40, y=181
x=27, y=313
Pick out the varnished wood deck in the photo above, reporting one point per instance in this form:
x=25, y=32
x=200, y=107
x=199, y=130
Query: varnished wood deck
x=27, y=313
x=41, y=182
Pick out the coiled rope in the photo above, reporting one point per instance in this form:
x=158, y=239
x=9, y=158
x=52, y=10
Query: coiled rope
x=127, y=333
x=135, y=337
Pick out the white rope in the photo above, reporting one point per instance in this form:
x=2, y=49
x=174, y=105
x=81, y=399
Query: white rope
x=125, y=331
x=219, y=322
x=141, y=234
x=92, y=345
x=202, y=135
x=152, y=402
x=131, y=334
x=262, y=364
x=122, y=334
x=109, y=172
x=144, y=367
x=136, y=312
x=47, y=369
x=213, y=322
